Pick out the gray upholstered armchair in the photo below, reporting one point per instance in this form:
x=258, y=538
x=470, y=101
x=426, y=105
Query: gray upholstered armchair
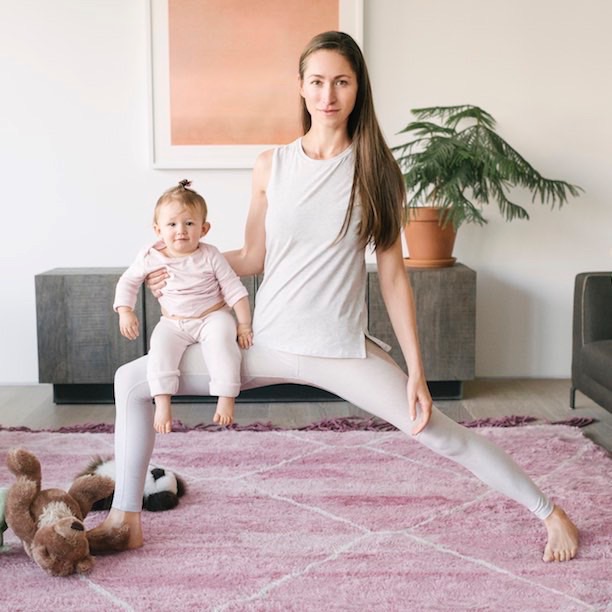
x=592, y=338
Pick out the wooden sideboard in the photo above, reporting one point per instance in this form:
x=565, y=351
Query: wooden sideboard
x=80, y=347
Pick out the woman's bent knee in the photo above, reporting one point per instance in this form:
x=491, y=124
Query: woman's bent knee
x=128, y=374
x=131, y=377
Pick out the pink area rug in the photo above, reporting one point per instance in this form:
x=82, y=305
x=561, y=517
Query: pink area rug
x=322, y=520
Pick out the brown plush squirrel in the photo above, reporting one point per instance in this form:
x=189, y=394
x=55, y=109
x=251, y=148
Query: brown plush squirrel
x=50, y=522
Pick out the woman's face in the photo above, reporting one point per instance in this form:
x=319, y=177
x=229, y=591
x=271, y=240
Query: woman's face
x=329, y=88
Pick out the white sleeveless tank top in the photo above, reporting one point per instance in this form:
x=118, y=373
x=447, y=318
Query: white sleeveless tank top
x=312, y=298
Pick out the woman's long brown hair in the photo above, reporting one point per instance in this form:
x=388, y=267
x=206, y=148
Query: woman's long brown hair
x=377, y=181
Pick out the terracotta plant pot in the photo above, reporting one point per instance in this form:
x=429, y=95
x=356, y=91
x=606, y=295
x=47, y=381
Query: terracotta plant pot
x=429, y=244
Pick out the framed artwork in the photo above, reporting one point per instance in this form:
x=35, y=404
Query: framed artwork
x=221, y=74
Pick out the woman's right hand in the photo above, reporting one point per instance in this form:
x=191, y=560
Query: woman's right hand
x=156, y=281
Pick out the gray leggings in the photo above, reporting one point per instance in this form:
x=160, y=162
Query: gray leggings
x=375, y=384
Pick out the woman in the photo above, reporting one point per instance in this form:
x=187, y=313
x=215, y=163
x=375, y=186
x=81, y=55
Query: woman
x=316, y=204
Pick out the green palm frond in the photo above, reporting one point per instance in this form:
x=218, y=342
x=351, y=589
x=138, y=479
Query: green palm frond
x=461, y=164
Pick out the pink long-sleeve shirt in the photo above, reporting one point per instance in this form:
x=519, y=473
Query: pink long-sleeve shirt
x=197, y=282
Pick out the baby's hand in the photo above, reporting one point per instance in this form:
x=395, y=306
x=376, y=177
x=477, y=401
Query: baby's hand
x=128, y=325
x=245, y=335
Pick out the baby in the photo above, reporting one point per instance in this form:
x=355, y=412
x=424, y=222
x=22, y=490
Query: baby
x=195, y=304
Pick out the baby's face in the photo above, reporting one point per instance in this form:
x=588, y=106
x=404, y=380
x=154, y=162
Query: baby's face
x=180, y=228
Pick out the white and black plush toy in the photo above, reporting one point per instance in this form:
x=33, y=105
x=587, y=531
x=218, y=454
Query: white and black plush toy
x=162, y=491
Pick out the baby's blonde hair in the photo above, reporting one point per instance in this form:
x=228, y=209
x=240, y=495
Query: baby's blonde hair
x=184, y=195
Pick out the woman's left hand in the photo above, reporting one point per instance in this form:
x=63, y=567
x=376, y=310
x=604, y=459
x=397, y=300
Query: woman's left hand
x=418, y=395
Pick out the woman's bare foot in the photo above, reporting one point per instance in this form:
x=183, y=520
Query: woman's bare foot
x=117, y=519
x=225, y=411
x=563, y=537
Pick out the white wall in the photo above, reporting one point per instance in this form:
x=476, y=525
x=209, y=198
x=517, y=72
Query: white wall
x=541, y=67
x=79, y=190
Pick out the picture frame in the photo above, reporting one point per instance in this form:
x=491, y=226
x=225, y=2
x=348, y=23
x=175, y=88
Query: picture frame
x=164, y=154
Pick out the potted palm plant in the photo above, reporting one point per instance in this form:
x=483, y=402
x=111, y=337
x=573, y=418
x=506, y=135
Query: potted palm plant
x=455, y=165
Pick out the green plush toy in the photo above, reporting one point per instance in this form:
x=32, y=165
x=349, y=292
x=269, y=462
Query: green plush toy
x=3, y=525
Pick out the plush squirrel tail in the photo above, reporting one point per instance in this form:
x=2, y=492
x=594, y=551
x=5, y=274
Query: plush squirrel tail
x=22, y=493
x=23, y=463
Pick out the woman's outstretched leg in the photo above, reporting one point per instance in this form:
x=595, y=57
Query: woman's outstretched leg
x=378, y=385
x=498, y=470
x=134, y=440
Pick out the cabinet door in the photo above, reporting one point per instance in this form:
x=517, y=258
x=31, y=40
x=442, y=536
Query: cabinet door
x=445, y=301
x=78, y=331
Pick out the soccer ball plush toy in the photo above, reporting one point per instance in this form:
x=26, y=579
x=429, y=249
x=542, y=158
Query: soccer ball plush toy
x=49, y=522
x=162, y=491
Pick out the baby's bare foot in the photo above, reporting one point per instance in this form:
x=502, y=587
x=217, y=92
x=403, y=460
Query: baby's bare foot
x=224, y=414
x=163, y=419
x=563, y=537
x=162, y=426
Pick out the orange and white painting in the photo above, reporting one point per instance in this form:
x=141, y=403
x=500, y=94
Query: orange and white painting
x=234, y=66
x=224, y=75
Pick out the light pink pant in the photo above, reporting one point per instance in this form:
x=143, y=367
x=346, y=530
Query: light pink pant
x=216, y=336
x=375, y=384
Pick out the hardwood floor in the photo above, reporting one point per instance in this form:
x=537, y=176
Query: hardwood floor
x=548, y=400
